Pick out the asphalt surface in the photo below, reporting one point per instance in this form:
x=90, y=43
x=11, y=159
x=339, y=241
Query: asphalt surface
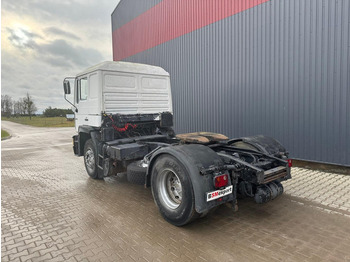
x=52, y=211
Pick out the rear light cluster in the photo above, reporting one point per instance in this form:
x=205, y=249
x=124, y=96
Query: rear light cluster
x=221, y=181
x=290, y=162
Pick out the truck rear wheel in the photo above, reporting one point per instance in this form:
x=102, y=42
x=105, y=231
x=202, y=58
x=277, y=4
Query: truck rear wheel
x=172, y=191
x=90, y=159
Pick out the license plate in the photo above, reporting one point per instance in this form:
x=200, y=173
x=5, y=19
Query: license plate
x=219, y=193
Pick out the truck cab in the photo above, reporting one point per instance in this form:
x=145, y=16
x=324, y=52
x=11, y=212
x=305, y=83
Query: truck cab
x=119, y=88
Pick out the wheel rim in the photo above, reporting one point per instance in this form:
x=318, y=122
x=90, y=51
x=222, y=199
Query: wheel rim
x=90, y=159
x=170, y=189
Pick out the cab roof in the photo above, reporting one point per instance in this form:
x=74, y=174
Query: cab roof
x=127, y=67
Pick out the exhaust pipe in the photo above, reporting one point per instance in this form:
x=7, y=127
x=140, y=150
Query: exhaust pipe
x=268, y=192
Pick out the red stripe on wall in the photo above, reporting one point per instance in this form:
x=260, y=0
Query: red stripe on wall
x=171, y=19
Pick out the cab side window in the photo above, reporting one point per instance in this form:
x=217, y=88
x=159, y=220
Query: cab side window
x=83, y=89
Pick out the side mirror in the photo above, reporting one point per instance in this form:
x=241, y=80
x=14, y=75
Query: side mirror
x=66, y=87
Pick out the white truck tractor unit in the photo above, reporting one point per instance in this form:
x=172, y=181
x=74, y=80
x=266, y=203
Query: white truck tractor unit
x=124, y=119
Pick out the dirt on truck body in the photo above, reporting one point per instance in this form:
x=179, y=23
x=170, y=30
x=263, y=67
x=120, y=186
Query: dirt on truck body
x=189, y=174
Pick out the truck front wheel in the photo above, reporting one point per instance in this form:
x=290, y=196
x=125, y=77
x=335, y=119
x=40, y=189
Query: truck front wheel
x=172, y=191
x=90, y=159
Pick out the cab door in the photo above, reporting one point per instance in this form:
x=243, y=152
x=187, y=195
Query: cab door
x=88, y=101
x=82, y=90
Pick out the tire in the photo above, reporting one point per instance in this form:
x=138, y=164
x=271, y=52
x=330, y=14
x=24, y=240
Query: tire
x=90, y=159
x=136, y=174
x=172, y=191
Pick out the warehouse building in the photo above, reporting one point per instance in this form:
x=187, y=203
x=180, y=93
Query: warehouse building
x=247, y=67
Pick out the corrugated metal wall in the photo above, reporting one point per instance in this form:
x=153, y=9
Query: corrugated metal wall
x=281, y=68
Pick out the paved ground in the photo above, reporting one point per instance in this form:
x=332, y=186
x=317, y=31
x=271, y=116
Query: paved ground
x=52, y=211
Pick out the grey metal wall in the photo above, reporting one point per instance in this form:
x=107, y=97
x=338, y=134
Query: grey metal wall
x=280, y=69
x=128, y=10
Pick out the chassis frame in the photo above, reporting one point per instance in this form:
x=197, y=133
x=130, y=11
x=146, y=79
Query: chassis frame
x=255, y=171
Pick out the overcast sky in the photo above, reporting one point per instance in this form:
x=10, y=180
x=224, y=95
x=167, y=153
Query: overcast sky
x=43, y=41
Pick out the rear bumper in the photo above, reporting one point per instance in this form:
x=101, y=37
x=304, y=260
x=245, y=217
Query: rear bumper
x=279, y=173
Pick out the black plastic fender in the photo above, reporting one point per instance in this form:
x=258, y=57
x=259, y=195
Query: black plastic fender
x=194, y=158
x=85, y=133
x=85, y=129
x=264, y=144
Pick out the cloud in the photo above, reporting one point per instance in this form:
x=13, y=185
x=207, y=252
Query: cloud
x=22, y=38
x=58, y=32
x=43, y=41
x=41, y=80
x=59, y=52
x=76, y=11
x=77, y=55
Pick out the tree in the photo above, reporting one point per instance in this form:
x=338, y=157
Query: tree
x=19, y=107
x=52, y=112
x=29, y=105
x=6, y=105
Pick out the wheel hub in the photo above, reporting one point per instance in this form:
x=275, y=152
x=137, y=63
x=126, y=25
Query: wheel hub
x=170, y=189
x=90, y=159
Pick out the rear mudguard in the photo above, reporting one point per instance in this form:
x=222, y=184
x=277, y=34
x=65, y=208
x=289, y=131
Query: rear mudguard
x=264, y=144
x=194, y=158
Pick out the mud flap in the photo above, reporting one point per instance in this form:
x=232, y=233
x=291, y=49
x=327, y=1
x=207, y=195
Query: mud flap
x=234, y=202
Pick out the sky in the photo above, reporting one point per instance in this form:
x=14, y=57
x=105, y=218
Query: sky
x=43, y=41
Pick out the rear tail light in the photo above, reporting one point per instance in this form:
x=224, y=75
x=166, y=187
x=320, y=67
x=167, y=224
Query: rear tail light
x=290, y=162
x=221, y=181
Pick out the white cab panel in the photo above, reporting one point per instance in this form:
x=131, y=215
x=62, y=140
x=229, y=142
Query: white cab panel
x=136, y=93
x=120, y=87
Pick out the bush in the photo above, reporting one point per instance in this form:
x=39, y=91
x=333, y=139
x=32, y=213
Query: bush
x=53, y=112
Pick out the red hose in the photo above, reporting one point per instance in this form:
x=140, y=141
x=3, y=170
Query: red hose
x=126, y=127
x=121, y=129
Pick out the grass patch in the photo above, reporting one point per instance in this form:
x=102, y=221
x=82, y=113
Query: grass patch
x=41, y=121
x=4, y=134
